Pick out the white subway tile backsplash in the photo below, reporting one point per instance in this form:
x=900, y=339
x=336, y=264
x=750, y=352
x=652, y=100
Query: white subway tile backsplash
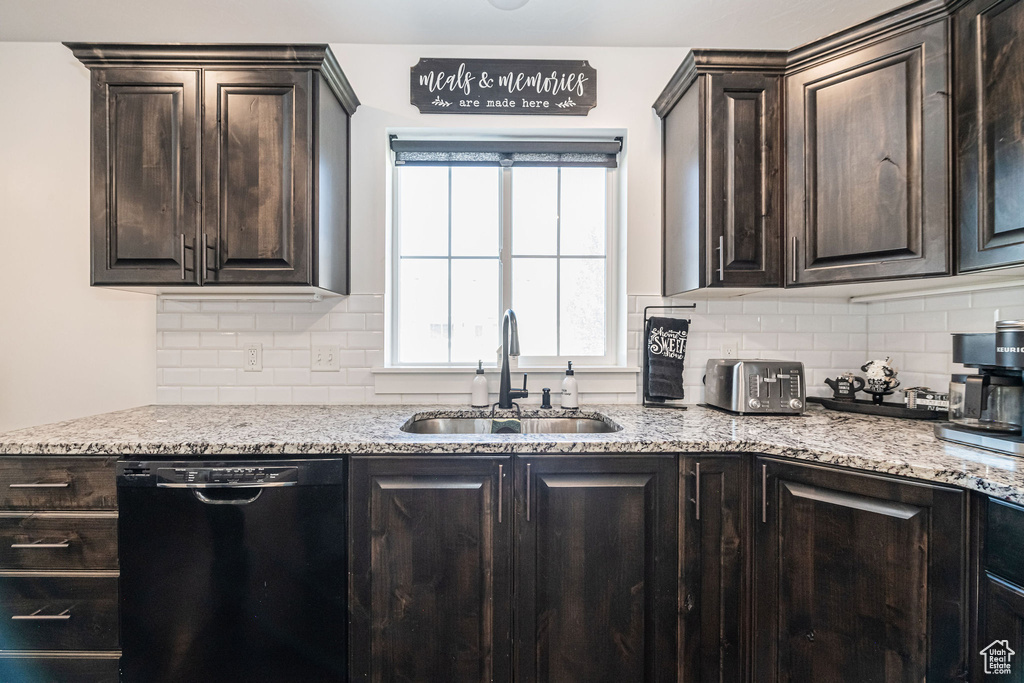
x=274, y=322
x=168, y=321
x=273, y=394
x=217, y=340
x=200, y=357
x=199, y=395
x=348, y=321
x=236, y=395
x=199, y=321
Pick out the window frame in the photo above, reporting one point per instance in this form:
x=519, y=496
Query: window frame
x=612, y=356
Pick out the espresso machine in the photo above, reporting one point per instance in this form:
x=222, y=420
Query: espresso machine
x=987, y=409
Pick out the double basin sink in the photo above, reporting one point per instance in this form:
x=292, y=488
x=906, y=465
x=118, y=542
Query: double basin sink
x=497, y=425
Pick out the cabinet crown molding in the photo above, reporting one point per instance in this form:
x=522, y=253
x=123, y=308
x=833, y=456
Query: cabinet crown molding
x=316, y=56
x=784, y=62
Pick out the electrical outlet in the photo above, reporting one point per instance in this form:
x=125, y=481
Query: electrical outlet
x=325, y=358
x=730, y=350
x=253, y=357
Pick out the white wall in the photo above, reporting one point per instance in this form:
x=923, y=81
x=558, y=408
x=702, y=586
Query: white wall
x=628, y=82
x=66, y=349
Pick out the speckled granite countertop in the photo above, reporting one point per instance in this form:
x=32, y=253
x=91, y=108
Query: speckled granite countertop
x=900, y=447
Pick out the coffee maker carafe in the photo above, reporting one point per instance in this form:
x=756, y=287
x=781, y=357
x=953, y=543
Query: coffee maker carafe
x=987, y=409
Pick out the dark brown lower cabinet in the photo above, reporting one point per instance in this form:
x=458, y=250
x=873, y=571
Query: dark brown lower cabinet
x=997, y=648
x=431, y=560
x=596, y=550
x=857, y=577
x=714, y=585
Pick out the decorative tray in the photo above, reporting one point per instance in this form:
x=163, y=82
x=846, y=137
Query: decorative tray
x=884, y=410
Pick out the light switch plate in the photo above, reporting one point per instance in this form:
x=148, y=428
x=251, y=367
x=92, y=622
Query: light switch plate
x=325, y=358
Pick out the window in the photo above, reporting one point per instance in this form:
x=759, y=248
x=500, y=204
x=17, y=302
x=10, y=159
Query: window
x=478, y=232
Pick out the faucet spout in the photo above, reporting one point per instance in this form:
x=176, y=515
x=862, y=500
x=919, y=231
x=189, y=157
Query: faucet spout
x=509, y=347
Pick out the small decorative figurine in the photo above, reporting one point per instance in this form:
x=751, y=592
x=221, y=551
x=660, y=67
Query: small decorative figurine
x=846, y=386
x=881, y=379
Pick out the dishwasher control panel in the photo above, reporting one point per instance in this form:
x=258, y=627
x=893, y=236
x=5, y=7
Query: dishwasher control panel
x=226, y=476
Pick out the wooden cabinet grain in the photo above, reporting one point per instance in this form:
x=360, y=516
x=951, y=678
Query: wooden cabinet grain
x=867, y=161
x=431, y=547
x=714, y=555
x=219, y=165
x=998, y=612
x=990, y=140
x=858, y=577
x=595, y=569
x=59, y=567
x=721, y=152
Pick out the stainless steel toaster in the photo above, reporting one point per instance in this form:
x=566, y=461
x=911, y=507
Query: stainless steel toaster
x=755, y=386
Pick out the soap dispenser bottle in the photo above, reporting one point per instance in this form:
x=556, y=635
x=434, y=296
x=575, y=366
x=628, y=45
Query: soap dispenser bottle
x=570, y=392
x=481, y=399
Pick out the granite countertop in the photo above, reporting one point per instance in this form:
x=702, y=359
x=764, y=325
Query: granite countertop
x=900, y=447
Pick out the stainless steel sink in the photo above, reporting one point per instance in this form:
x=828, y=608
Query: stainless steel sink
x=526, y=425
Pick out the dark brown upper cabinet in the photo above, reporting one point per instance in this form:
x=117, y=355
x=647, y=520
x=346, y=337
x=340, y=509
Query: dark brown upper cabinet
x=721, y=155
x=219, y=165
x=857, y=577
x=990, y=137
x=867, y=161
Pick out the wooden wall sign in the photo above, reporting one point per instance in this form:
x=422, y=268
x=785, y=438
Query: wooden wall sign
x=504, y=86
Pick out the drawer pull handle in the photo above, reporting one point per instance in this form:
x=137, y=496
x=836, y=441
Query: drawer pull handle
x=39, y=544
x=63, y=616
x=42, y=485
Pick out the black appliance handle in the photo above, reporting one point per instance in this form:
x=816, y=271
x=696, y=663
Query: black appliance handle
x=203, y=498
x=974, y=395
x=235, y=485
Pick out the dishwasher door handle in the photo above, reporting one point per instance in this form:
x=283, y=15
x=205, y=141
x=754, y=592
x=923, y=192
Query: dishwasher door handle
x=203, y=498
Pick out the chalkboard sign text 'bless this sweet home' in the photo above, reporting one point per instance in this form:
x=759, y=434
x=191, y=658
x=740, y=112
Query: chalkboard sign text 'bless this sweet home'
x=504, y=86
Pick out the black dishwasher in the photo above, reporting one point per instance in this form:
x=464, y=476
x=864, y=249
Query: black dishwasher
x=232, y=571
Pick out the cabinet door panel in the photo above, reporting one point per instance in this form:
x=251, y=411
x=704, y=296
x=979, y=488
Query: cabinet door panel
x=744, y=212
x=257, y=207
x=1001, y=618
x=867, y=160
x=989, y=99
x=596, y=569
x=714, y=552
x=145, y=177
x=431, y=569
x=858, y=578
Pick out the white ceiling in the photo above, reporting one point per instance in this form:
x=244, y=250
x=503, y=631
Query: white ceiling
x=625, y=23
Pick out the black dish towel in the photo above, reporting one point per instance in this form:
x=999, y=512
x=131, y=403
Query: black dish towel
x=665, y=341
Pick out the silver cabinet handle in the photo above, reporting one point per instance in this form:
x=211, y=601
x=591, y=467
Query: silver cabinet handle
x=41, y=485
x=527, y=492
x=697, y=477
x=39, y=544
x=721, y=258
x=796, y=252
x=184, y=267
x=206, y=255
x=63, y=616
x=501, y=474
x=764, y=493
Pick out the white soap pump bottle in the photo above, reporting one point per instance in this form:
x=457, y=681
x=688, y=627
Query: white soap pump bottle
x=481, y=399
x=570, y=392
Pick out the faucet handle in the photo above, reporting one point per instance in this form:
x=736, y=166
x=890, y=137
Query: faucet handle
x=524, y=381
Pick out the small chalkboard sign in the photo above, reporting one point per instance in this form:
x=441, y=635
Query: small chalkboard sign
x=504, y=86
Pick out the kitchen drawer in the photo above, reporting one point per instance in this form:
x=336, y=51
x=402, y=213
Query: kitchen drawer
x=85, y=607
x=1004, y=541
x=57, y=483
x=83, y=669
x=58, y=541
